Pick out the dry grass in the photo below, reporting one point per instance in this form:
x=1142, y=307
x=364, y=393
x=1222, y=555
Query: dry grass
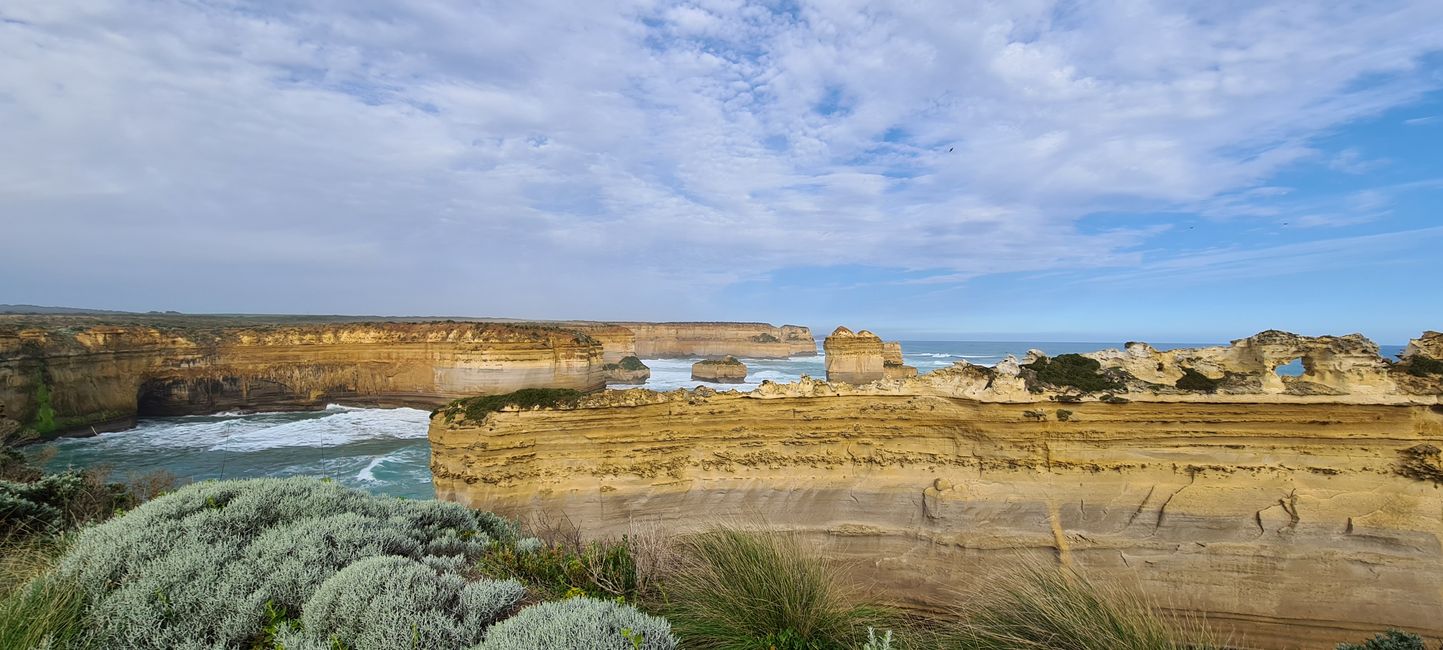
x=1037, y=607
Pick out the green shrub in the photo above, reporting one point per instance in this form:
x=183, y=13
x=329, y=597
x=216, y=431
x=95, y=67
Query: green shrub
x=738, y=589
x=210, y=564
x=1421, y=366
x=765, y=337
x=477, y=408
x=600, y=569
x=1390, y=640
x=396, y=602
x=1049, y=608
x=1073, y=370
x=631, y=363
x=580, y=624
x=1064, y=415
x=1196, y=381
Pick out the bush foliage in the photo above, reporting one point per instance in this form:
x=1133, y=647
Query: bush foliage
x=1073, y=370
x=477, y=408
x=1421, y=366
x=580, y=623
x=1390, y=640
x=211, y=564
x=1196, y=381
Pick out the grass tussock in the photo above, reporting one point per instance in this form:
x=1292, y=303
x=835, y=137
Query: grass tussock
x=1038, y=607
x=740, y=590
x=37, y=608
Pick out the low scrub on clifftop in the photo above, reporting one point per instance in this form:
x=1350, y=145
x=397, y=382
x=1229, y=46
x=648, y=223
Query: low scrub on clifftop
x=627, y=363
x=477, y=408
x=1073, y=370
x=1196, y=381
x=300, y=564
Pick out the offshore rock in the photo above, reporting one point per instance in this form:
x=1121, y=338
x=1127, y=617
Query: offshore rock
x=1298, y=518
x=854, y=358
x=628, y=370
x=725, y=370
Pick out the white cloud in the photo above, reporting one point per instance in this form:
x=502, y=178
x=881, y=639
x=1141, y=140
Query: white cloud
x=453, y=158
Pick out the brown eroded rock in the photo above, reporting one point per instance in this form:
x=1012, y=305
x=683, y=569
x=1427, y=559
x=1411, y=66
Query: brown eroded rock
x=724, y=370
x=863, y=357
x=628, y=370
x=752, y=340
x=99, y=378
x=1298, y=520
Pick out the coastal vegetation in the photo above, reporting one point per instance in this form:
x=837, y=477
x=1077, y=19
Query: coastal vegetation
x=477, y=408
x=631, y=363
x=1073, y=370
x=1421, y=366
x=1196, y=381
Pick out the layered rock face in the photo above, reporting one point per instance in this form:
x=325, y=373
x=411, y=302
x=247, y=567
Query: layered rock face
x=727, y=370
x=64, y=380
x=754, y=340
x=629, y=370
x=863, y=357
x=1295, y=518
x=617, y=342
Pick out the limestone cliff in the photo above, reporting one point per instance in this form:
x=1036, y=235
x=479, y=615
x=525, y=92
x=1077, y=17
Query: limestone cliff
x=862, y=357
x=753, y=340
x=1296, y=517
x=726, y=370
x=61, y=380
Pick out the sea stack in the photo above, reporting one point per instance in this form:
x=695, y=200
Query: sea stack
x=726, y=370
x=863, y=357
x=629, y=370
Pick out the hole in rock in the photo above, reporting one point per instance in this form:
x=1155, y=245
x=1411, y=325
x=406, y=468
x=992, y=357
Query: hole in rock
x=1292, y=368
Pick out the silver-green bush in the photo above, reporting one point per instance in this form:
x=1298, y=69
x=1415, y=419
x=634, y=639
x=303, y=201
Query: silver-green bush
x=395, y=602
x=580, y=624
x=211, y=564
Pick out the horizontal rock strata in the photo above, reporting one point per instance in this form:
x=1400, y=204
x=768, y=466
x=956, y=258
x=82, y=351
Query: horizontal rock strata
x=727, y=370
x=751, y=340
x=1295, y=518
x=61, y=380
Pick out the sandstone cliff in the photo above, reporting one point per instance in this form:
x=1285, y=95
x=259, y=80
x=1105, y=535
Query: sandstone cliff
x=63, y=380
x=1296, y=517
x=727, y=370
x=753, y=340
x=863, y=357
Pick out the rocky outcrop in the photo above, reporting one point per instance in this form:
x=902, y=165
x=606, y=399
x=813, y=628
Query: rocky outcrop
x=1295, y=518
x=751, y=340
x=724, y=370
x=628, y=370
x=617, y=342
x=63, y=380
x=863, y=357
x=1429, y=345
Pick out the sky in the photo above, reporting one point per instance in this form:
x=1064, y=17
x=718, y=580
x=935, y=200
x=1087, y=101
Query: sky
x=1090, y=171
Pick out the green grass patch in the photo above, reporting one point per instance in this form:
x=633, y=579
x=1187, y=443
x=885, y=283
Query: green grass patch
x=746, y=590
x=1196, y=381
x=598, y=569
x=37, y=608
x=477, y=408
x=44, y=421
x=727, y=361
x=1073, y=370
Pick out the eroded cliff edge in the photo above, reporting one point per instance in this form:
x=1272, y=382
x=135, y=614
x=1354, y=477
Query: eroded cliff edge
x=67, y=379
x=1299, y=511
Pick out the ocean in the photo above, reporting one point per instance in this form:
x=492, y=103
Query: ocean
x=385, y=450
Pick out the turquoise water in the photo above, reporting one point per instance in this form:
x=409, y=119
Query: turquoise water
x=386, y=451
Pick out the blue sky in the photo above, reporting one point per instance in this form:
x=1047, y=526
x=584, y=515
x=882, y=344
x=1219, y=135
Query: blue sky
x=1018, y=170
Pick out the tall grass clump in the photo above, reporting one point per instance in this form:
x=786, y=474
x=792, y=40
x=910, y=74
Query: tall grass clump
x=1042, y=608
x=737, y=589
x=37, y=608
x=238, y=563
